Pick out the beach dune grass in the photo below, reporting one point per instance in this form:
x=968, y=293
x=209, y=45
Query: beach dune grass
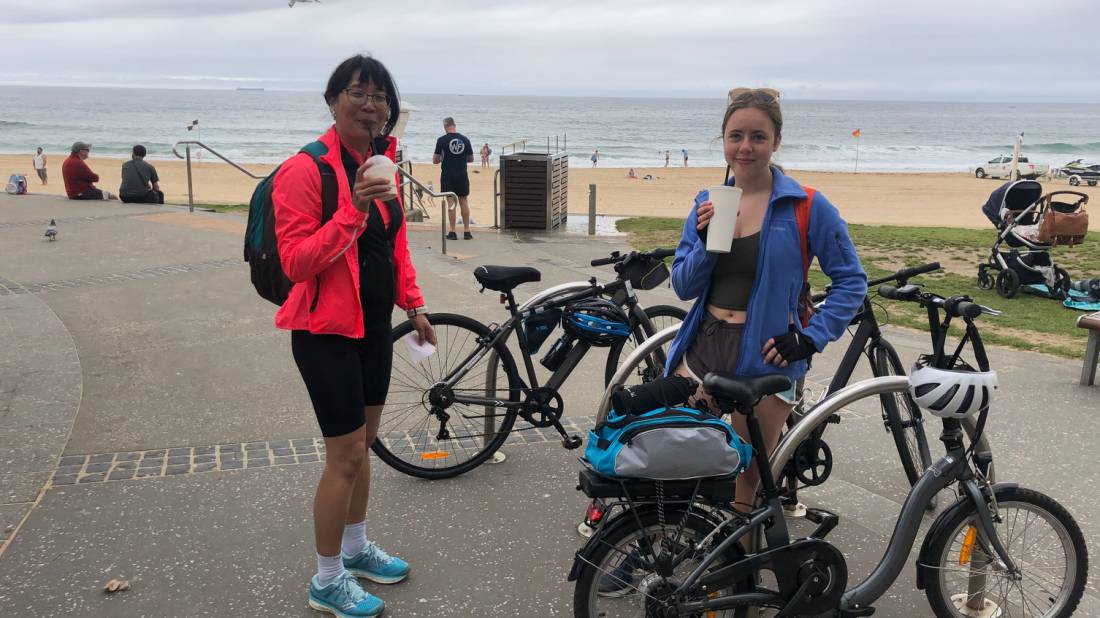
x=1029, y=322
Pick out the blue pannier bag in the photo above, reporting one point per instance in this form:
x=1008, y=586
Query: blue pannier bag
x=667, y=443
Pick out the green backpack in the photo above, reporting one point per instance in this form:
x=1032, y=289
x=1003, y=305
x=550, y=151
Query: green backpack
x=261, y=250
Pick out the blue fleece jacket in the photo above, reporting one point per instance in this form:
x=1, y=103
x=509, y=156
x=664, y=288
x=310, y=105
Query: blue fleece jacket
x=774, y=298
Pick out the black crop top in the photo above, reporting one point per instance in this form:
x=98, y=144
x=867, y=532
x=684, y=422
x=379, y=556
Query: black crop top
x=733, y=276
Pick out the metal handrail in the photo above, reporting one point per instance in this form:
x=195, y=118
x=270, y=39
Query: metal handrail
x=522, y=142
x=411, y=198
x=496, y=196
x=187, y=145
x=433, y=194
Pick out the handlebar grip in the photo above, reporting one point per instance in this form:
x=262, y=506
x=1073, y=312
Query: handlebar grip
x=888, y=291
x=604, y=261
x=966, y=309
x=661, y=254
x=918, y=270
x=820, y=296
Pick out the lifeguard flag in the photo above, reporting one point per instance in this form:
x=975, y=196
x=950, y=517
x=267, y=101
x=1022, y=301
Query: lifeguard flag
x=855, y=134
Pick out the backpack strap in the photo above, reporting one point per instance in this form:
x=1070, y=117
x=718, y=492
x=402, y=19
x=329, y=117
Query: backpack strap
x=802, y=215
x=330, y=188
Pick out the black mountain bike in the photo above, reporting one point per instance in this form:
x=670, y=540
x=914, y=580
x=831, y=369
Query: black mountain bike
x=450, y=412
x=675, y=548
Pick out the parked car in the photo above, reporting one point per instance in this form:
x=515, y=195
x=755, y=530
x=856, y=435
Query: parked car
x=1001, y=167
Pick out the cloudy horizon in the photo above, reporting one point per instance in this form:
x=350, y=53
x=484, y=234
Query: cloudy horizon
x=843, y=49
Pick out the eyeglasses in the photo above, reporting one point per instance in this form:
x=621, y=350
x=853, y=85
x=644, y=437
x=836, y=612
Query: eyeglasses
x=767, y=95
x=360, y=97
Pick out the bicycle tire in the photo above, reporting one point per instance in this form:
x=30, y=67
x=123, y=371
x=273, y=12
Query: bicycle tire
x=902, y=415
x=618, y=543
x=660, y=316
x=407, y=432
x=947, y=551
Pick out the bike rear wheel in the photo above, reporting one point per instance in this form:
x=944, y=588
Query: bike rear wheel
x=409, y=437
x=902, y=415
x=619, y=563
x=1039, y=535
x=653, y=367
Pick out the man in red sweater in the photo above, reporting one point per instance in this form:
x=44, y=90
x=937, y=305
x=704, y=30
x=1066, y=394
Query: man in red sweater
x=79, y=178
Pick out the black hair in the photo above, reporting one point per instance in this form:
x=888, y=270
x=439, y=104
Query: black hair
x=139, y=151
x=369, y=70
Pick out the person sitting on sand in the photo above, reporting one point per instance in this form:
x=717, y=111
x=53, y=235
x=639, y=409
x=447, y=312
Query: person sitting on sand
x=140, y=184
x=631, y=174
x=79, y=178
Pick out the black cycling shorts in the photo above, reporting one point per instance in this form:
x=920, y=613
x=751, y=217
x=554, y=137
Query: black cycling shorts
x=460, y=185
x=344, y=375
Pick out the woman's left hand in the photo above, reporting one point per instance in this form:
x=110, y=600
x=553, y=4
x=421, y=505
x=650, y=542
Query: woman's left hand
x=785, y=349
x=424, y=330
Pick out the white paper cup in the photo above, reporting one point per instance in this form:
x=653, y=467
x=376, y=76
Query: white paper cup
x=380, y=166
x=726, y=202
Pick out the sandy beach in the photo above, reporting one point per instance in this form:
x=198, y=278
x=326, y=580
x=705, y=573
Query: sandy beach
x=952, y=200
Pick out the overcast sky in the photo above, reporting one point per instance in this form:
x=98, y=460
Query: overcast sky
x=1011, y=50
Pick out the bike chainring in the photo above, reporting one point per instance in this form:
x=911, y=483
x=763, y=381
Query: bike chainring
x=822, y=574
x=543, y=407
x=813, y=465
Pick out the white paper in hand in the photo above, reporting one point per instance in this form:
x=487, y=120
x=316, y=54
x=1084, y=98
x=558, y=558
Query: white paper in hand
x=417, y=351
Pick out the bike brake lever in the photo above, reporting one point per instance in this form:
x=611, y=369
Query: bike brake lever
x=991, y=311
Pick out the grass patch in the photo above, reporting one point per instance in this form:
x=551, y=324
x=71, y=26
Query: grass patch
x=224, y=207
x=1029, y=322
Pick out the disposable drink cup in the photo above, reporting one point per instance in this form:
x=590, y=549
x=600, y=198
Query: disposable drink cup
x=380, y=166
x=726, y=202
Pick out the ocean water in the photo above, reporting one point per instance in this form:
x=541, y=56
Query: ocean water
x=267, y=126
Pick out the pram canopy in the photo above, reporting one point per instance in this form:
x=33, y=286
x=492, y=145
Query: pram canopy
x=1014, y=196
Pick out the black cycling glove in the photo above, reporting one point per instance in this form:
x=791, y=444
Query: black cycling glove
x=794, y=346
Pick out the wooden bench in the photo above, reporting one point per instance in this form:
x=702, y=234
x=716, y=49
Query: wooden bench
x=1092, y=348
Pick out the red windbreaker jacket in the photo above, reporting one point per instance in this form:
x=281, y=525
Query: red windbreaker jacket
x=309, y=250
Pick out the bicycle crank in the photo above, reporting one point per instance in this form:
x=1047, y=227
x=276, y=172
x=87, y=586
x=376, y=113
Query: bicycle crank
x=543, y=408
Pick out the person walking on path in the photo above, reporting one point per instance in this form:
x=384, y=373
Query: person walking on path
x=40, y=165
x=140, y=183
x=348, y=274
x=79, y=178
x=452, y=152
x=595, y=157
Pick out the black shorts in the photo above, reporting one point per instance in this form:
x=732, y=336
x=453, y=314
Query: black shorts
x=152, y=196
x=459, y=185
x=344, y=375
x=90, y=194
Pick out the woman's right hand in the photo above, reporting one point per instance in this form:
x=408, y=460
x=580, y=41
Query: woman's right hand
x=703, y=215
x=366, y=190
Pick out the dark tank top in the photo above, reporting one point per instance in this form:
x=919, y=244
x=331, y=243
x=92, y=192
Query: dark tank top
x=733, y=276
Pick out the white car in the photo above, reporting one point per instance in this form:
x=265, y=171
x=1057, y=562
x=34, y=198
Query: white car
x=1001, y=167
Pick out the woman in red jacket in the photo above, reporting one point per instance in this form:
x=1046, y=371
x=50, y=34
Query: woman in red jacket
x=349, y=272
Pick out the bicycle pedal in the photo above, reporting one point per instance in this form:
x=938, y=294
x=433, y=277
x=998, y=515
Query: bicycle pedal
x=825, y=521
x=572, y=442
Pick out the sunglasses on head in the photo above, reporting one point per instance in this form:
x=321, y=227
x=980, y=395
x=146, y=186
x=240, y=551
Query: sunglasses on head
x=766, y=94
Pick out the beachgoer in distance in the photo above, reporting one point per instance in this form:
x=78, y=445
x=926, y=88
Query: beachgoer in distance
x=666, y=158
x=485, y=153
x=746, y=315
x=631, y=174
x=452, y=152
x=39, y=160
x=684, y=150
x=349, y=273
x=595, y=157
x=79, y=178
x=140, y=183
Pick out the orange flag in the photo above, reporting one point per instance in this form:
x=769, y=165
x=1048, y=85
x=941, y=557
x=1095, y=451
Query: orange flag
x=855, y=134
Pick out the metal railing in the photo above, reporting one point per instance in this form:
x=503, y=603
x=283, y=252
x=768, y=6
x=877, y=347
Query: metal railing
x=411, y=196
x=187, y=145
x=431, y=193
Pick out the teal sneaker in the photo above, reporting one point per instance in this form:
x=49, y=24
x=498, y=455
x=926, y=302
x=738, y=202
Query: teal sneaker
x=376, y=565
x=344, y=598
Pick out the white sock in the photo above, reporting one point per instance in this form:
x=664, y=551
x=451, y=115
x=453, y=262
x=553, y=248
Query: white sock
x=355, y=538
x=329, y=568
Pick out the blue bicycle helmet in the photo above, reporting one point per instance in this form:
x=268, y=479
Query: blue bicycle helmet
x=597, y=321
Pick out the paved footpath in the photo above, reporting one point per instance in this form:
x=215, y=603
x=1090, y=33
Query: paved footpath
x=153, y=428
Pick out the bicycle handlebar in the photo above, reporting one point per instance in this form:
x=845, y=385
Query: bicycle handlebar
x=616, y=257
x=902, y=276
x=956, y=306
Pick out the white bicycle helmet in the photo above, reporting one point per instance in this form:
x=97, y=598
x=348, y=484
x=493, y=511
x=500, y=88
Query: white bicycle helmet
x=951, y=393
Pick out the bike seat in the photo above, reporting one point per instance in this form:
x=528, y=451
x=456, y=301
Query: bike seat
x=504, y=278
x=743, y=391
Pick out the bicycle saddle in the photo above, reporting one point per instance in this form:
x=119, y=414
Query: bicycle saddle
x=743, y=391
x=504, y=278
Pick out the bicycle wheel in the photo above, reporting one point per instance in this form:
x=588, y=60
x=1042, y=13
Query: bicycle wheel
x=661, y=317
x=901, y=414
x=409, y=437
x=1039, y=535
x=618, y=577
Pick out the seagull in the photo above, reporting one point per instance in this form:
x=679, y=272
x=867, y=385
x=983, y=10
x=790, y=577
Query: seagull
x=291, y=3
x=51, y=230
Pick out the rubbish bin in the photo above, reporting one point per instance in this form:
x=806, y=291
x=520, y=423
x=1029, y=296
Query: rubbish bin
x=534, y=190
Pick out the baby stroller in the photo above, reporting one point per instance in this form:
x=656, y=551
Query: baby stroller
x=1030, y=224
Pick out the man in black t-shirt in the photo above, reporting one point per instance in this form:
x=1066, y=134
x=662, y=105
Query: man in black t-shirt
x=453, y=151
x=140, y=183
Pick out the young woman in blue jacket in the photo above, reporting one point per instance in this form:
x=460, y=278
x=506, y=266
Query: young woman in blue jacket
x=746, y=317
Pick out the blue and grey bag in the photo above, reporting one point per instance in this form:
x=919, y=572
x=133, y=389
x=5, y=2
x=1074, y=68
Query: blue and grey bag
x=666, y=444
